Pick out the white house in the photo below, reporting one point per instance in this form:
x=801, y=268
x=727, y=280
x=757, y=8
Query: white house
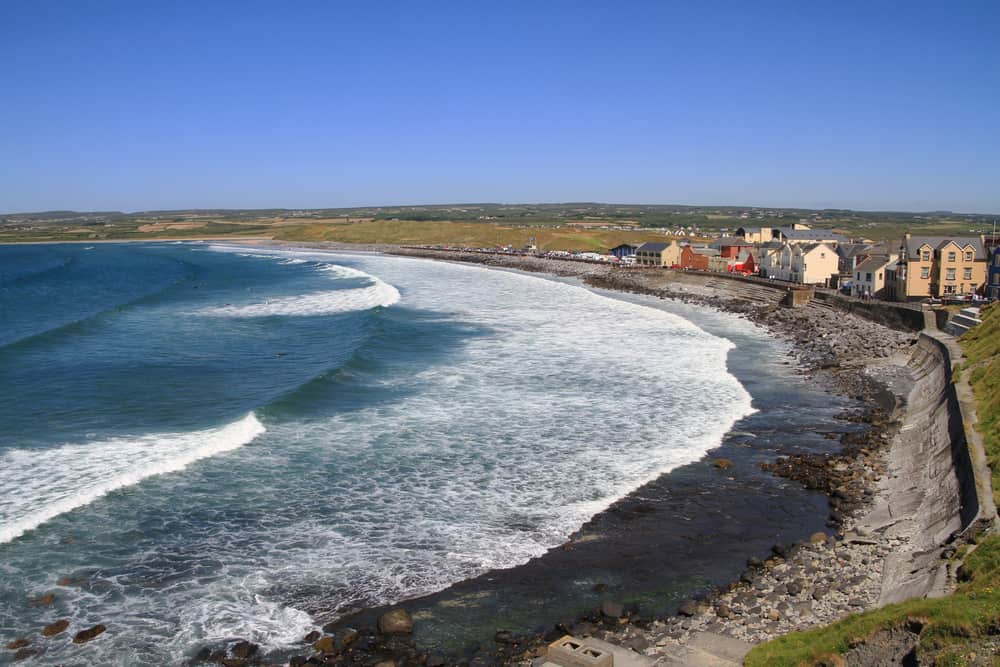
x=805, y=263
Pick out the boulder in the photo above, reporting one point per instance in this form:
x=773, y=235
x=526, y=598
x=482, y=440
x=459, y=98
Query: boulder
x=395, y=622
x=312, y=636
x=25, y=653
x=817, y=538
x=688, y=608
x=349, y=636
x=385, y=663
x=723, y=611
x=85, y=636
x=43, y=600
x=56, y=628
x=612, y=609
x=723, y=464
x=243, y=650
x=20, y=642
x=505, y=637
x=326, y=644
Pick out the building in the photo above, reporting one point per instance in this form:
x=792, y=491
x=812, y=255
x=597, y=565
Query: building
x=691, y=259
x=869, y=276
x=805, y=263
x=993, y=275
x=622, y=251
x=796, y=233
x=658, y=254
x=940, y=266
x=743, y=263
x=754, y=234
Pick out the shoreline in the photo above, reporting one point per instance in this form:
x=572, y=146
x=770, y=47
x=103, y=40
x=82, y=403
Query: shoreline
x=770, y=586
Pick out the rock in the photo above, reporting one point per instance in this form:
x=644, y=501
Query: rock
x=723, y=611
x=54, y=629
x=43, y=600
x=312, y=636
x=233, y=662
x=688, y=608
x=504, y=637
x=396, y=622
x=349, y=636
x=244, y=650
x=385, y=663
x=20, y=642
x=26, y=653
x=723, y=464
x=818, y=538
x=638, y=644
x=794, y=588
x=85, y=636
x=773, y=615
x=326, y=644
x=67, y=581
x=435, y=660
x=612, y=609
x=296, y=661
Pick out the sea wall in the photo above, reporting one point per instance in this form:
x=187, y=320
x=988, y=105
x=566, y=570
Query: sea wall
x=937, y=489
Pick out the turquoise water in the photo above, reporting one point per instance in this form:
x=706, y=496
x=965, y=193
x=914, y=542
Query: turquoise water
x=204, y=442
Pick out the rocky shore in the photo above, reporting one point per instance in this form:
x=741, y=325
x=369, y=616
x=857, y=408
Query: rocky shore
x=800, y=585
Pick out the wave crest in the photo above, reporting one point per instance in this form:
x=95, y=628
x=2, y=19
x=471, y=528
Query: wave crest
x=55, y=481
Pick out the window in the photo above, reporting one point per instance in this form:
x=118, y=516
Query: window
x=925, y=272
x=968, y=255
x=949, y=274
x=949, y=289
x=859, y=276
x=868, y=277
x=968, y=274
x=925, y=256
x=878, y=277
x=951, y=257
x=996, y=278
x=996, y=260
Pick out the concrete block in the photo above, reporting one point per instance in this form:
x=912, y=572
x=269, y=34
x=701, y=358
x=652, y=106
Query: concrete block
x=572, y=652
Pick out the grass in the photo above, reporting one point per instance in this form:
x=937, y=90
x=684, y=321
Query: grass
x=470, y=234
x=953, y=624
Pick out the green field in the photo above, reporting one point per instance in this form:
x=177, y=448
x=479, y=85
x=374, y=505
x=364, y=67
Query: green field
x=955, y=627
x=474, y=224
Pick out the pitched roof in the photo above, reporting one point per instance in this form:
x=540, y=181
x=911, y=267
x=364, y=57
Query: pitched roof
x=812, y=234
x=914, y=243
x=709, y=252
x=653, y=247
x=873, y=264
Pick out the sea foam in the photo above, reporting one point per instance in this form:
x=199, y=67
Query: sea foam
x=327, y=302
x=44, y=484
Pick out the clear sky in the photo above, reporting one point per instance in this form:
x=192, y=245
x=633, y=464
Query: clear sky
x=139, y=105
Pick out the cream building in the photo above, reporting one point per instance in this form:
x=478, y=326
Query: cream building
x=658, y=254
x=805, y=263
x=937, y=266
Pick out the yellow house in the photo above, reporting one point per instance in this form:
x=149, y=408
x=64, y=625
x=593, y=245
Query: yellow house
x=936, y=266
x=658, y=254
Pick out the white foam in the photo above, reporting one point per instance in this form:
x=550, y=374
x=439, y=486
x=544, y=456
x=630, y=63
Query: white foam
x=44, y=484
x=327, y=302
x=316, y=303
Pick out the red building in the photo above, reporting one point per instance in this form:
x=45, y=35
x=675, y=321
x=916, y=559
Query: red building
x=693, y=260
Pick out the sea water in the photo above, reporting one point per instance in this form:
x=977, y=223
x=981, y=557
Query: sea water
x=200, y=442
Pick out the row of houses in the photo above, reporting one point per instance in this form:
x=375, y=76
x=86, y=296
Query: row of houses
x=915, y=268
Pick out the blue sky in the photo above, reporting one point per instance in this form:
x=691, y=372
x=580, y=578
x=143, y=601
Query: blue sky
x=142, y=105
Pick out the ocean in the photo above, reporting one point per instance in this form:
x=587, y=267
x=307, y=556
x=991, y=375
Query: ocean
x=200, y=442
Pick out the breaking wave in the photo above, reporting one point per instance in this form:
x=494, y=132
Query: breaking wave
x=54, y=481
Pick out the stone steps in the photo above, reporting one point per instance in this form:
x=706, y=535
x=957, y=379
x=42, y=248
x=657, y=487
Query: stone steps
x=706, y=649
